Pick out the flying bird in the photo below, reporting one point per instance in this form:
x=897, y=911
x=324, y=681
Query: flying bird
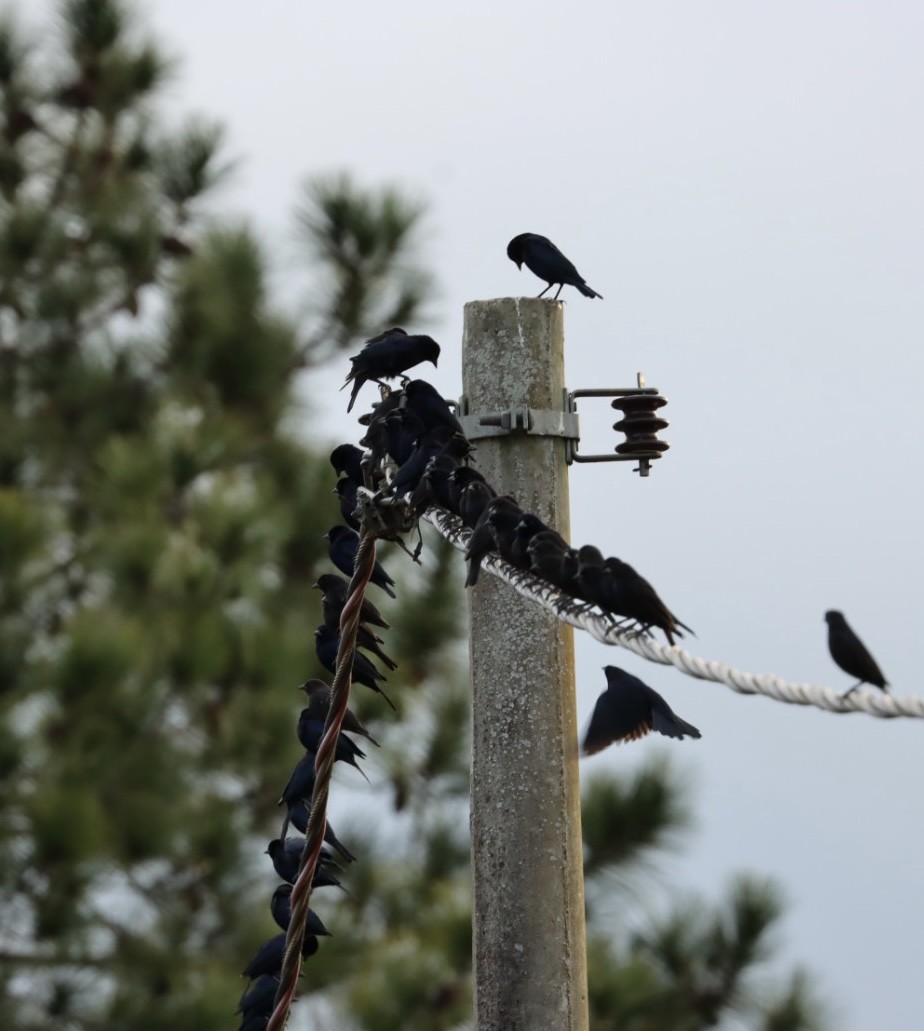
x=629, y=709
x=849, y=652
x=546, y=261
x=389, y=355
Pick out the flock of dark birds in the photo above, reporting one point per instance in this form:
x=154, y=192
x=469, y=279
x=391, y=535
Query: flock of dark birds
x=414, y=454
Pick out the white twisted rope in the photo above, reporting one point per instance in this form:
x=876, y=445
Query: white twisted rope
x=585, y=617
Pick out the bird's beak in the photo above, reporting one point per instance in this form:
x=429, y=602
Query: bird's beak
x=519, y=265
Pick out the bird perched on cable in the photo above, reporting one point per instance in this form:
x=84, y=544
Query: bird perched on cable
x=430, y=443
x=343, y=543
x=267, y=960
x=388, y=355
x=546, y=261
x=849, y=652
x=310, y=733
x=473, y=497
x=318, y=695
x=296, y=796
x=365, y=638
x=493, y=532
x=553, y=560
x=281, y=911
x=629, y=709
x=259, y=997
x=335, y=591
x=433, y=488
x=619, y=591
x=326, y=646
x=429, y=405
x=347, y=461
x=287, y=855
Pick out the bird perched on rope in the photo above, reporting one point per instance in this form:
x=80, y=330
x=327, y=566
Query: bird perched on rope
x=334, y=593
x=327, y=645
x=318, y=695
x=546, y=261
x=281, y=911
x=389, y=355
x=849, y=652
x=286, y=856
x=342, y=545
x=267, y=961
x=347, y=461
x=629, y=709
x=620, y=591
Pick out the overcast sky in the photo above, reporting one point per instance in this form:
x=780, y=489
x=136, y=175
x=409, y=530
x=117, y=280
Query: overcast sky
x=743, y=183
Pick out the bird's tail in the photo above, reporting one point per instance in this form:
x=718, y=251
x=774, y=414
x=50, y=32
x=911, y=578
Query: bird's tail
x=587, y=292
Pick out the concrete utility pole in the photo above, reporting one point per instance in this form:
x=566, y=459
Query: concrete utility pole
x=529, y=940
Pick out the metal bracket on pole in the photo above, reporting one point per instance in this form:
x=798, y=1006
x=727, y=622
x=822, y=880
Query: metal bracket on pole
x=640, y=424
x=519, y=419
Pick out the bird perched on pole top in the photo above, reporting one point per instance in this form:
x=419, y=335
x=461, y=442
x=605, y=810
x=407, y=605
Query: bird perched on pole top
x=546, y=261
x=849, y=652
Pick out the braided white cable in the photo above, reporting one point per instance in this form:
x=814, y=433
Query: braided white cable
x=585, y=617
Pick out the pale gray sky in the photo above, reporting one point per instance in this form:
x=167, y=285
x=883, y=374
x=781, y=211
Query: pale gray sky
x=744, y=182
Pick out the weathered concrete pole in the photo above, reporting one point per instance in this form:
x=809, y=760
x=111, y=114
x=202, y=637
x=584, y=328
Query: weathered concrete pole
x=529, y=944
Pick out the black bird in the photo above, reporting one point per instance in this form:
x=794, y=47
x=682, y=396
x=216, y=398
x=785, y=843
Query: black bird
x=327, y=644
x=474, y=499
x=259, y=997
x=286, y=856
x=268, y=959
x=627, y=710
x=310, y=733
x=389, y=355
x=433, y=488
x=318, y=695
x=297, y=815
x=526, y=529
x=438, y=441
x=347, y=461
x=849, y=652
x=401, y=431
x=296, y=796
x=365, y=638
x=345, y=490
x=618, y=590
x=499, y=517
x=336, y=589
x=546, y=261
x=633, y=596
x=255, y=1022
x=429, y=405
x=552, y=560
x=342, y=546
x=281, y=911
x=332, y=607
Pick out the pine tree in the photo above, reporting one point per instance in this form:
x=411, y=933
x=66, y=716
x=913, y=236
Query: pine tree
x=161, y=524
